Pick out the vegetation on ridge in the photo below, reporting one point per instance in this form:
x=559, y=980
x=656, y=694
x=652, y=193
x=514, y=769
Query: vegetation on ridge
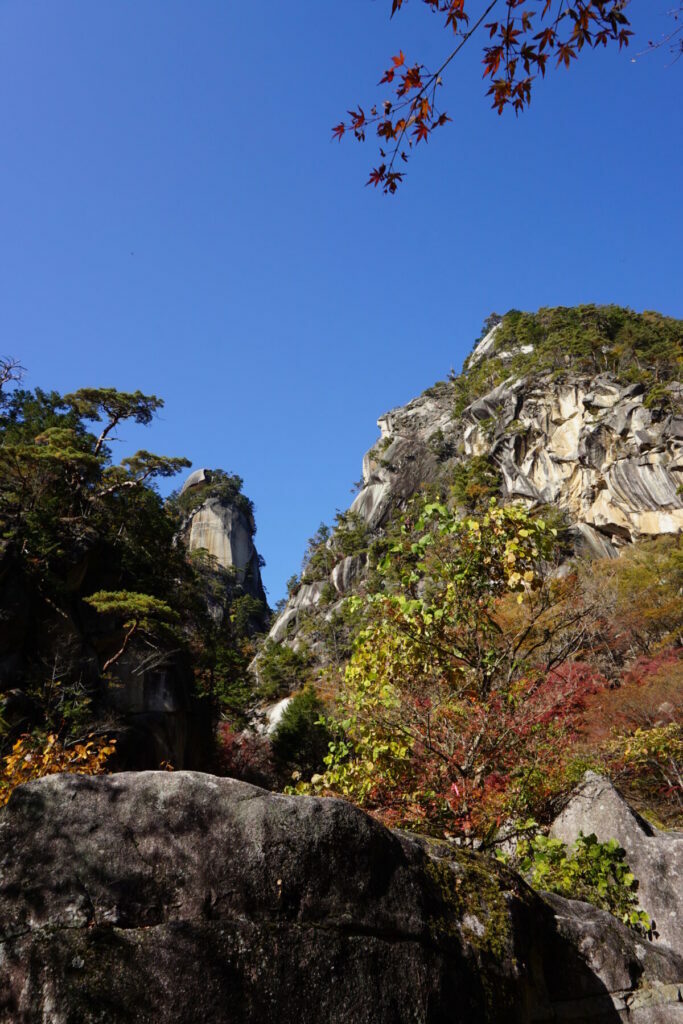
x=483, y=684
x=644, y=348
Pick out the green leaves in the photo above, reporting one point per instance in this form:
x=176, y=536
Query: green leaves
x=142, y=614
x=134, y=607
x=592, y=871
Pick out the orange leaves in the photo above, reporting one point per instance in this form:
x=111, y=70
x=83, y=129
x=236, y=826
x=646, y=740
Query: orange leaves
x=397, y=62
x=421, y=131
x=402, y=122
x=593, y=23
x=565, y=54
x=412, y=79
x=357, y=122
x=492, y=59
x=456, y=14
x=32, y=760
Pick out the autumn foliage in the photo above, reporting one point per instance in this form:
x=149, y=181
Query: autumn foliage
x=33, y=759
x=485, y=683
x=464, y=685
x=525, y=39
x=245, y=755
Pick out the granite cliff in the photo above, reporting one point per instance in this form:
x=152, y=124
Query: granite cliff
x=222, y=524
x=580, y=410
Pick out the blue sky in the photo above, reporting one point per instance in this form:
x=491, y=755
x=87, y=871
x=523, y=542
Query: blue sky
x=174, y=217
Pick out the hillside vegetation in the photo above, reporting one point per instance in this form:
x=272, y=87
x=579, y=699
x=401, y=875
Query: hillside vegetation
x=470, y=680
x=454, y=662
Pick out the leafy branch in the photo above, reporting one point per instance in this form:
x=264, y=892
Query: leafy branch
x=523, y=39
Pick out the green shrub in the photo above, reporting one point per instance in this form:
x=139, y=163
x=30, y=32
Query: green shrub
x=582, y=339
x=281, y=669
x=441, y=446
x=329, y=545
x=475, y=482
x=226, y=487
x=301, y=738
x=591, y=871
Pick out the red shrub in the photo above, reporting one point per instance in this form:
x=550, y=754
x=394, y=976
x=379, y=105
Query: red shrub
x=247, y=756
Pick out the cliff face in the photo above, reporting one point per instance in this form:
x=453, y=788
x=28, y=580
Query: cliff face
x=590, y=447
x=222, y=524
x=604, y=451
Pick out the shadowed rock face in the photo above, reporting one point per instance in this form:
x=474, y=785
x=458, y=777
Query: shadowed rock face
x=162, y=898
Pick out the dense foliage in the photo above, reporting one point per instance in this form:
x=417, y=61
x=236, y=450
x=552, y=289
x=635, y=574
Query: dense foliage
x=281, y=669
x=595, y=872
x=483, y=684
x=31, y=759
x=301, y=738
x=218, y=485
x=331, y=544
x=454, y=694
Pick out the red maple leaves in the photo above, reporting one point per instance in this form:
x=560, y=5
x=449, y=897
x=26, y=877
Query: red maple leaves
x=521, y=42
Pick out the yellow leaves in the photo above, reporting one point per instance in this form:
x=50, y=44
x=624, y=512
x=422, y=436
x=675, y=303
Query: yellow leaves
x=31, y=760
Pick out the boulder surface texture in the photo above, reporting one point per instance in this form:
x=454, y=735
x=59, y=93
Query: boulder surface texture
x=180, y=897
x=655, y=857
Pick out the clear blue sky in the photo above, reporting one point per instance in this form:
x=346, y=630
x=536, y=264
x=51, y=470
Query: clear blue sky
x=174, y=217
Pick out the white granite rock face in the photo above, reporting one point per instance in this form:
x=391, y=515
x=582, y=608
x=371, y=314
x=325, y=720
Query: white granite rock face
x=274, y=713
x=591, y=448
x=588, y=446
x=223, y=531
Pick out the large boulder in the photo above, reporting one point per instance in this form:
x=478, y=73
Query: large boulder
x=655, y=857
x=179, y=897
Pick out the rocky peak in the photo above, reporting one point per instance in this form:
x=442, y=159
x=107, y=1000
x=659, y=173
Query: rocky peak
x=578, y=409
x=219, y=520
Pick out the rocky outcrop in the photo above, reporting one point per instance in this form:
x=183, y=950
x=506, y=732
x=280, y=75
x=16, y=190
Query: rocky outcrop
x=591, y=447
x=655, y=857
x=221, y=527
x=162, y=898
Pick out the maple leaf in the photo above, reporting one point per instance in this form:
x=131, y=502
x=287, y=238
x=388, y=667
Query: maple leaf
x=421, y=131
x=512, y=62
x=377, y=175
